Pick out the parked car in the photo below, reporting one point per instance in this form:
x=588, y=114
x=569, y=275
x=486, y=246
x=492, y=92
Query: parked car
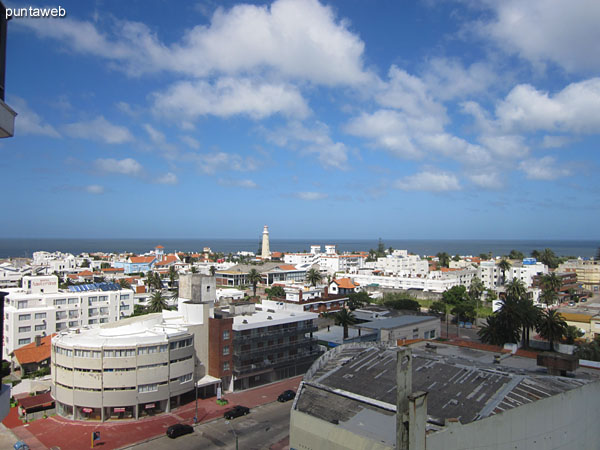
x=583, y=300
x=236, y=411
x=286, y=395
x=571, y=303
x=179, y=429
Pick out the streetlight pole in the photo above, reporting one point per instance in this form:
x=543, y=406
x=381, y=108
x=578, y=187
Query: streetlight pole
x=234, y=433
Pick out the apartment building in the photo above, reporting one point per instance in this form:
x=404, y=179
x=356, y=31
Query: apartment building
x=587, y=271
x=435, y=281
x=400, y=262
x=265, y=344
x=39, y=307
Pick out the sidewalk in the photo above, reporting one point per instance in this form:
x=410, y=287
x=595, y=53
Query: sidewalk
x=74, y=435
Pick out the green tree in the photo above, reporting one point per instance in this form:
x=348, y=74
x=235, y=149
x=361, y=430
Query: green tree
x=497, y=331
x=380, y=248
x=598, y=254
x=85, y=263
x=515, y=254
x=254, y=278
x=139, y=310
x=483, y=256
x=401, y=302
x=438, y=307
x=344, y=318
x=313, y=276
x=572, y=333
x=275, y=291
x=444, y=259
x=157, y=303
x=194, y=269
x=551, y=281
x=552, y=326
x=529, y=316
x=476, y=289
x=105, y=265
x=504, y=265
x=549, y=258
x=173, y=275
x=536, y=254
x=490, y=295
x=358, y=300
x=548, y=296
x=515, y=288
x=124, y=284
x=212, y=271
x=456, y=257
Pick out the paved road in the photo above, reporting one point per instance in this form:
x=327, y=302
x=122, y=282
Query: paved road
x=263, y=427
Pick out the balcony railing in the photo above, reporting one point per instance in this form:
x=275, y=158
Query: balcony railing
x=299, y=358
x=238, y=353
x=281, y=332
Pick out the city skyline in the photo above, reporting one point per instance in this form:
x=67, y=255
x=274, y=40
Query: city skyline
x=410, y=120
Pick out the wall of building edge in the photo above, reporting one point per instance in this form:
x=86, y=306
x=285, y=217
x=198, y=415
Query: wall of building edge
x=566, y=420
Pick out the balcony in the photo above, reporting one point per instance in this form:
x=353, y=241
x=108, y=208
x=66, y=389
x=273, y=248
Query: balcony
x=238, y=337
x=238, y=353
x=299, y=358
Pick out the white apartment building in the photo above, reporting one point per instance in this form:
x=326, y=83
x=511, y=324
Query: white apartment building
x=401, y=262
x=39, y=307
x=491, y=275
x=297, y=259
x=55, y=262
x=436, y=281
x=10, y=274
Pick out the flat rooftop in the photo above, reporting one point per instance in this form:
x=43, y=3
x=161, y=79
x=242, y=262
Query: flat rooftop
x=359, y=381
x=396, y=322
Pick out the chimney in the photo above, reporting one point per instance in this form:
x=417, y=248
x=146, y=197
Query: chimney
x=38, y=340
x=300, y=296
x=326, y=292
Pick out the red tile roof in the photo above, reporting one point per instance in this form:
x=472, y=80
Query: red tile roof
x=36, y=401
x=31, y=353
x=287, y=267
x=113, y=269
x=141, y=259
x=159, y=246
x=168, y=259
x=345, y=283
x=85, y=273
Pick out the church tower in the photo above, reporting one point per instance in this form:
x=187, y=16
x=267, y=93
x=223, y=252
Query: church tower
x=266, y=252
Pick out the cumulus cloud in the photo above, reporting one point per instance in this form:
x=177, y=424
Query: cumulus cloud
x=574, y=109
x=28, y=122
x=99, y=129
x=230, y=96
x=229, y=182
x=487, y=179
x=167, y=178
x=310, y=196
x=301, y=39
x=431, y=181
x=544, y=169
x=448, y=78
x=565, y=33
x=127, y=166
x=210, y=163
x=313, y=139
x=94, y=189
x=190, y=142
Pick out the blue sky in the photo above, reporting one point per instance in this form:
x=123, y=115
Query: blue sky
x=349, y=119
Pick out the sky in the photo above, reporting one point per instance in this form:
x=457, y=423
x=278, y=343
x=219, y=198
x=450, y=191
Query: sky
x=345, y=119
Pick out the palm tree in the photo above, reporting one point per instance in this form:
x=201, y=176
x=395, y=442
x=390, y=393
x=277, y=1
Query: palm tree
x=344, y=318
x=498, y=330
x=504, y=265
x=530, y=316
x=551, y=281
x=124, y=284
x=172, y=275
x=515, y=288
x=475, y=290
x=548, y=297
x=552, y=326
x=443, y=258
x=157, y=303
x=313, y=276
x=254, y=278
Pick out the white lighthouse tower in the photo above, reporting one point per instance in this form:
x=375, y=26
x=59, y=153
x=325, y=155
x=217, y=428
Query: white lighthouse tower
x=266, y=253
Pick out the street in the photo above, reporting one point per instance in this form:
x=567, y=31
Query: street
x=263, y=427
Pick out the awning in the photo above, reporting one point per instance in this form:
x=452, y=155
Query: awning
x=207, y=380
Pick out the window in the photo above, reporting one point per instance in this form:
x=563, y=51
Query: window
x=124, y=297
x=40, y=327
x=24, y=317
x=104, y=320
x=432, y=334
x=226, y=335
x=226, y=350
x=93, y=312
x=104, y=310
x=92, y=321
x=73, y=301
x=226, y=365
x=61, y=326
x=103, y=298
x=148, y=387
x=181, y=344
x=73, y=314
x=73, y=323
x=64, y=351
x=82, y=353
x=24, y=341
x=60, y=301
x=61, y=315
x=24, y=329
x=124, y=308
x=40, y=316
x=22, y=304
x=119, y=353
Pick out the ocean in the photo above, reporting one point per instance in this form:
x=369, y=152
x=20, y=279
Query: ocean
x=25, y=247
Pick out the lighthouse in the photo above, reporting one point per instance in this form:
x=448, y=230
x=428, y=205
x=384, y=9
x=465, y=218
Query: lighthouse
x=266, y=253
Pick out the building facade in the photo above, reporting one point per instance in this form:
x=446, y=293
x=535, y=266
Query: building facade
x=39, y=307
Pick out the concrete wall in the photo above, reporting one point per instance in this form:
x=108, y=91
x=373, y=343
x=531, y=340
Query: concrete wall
x=564, y=421
x=308, y=432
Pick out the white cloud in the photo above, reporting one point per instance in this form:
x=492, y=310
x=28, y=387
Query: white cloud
x=156, y=136
x=191, y=142
x=230, y=96
x=300, y=39
x=448, y=78
x=310, y=196
x=229, y=182
x=555, y=141
x=209, y=163
x=312, y=140
x=544, y=169
x=574, y=109
x=94, y=189
x=167, y=178
x=487, y=179
x=431, y=181
x=127, y=166
x=99, y=129
x=28, y=122
x=566, y=33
